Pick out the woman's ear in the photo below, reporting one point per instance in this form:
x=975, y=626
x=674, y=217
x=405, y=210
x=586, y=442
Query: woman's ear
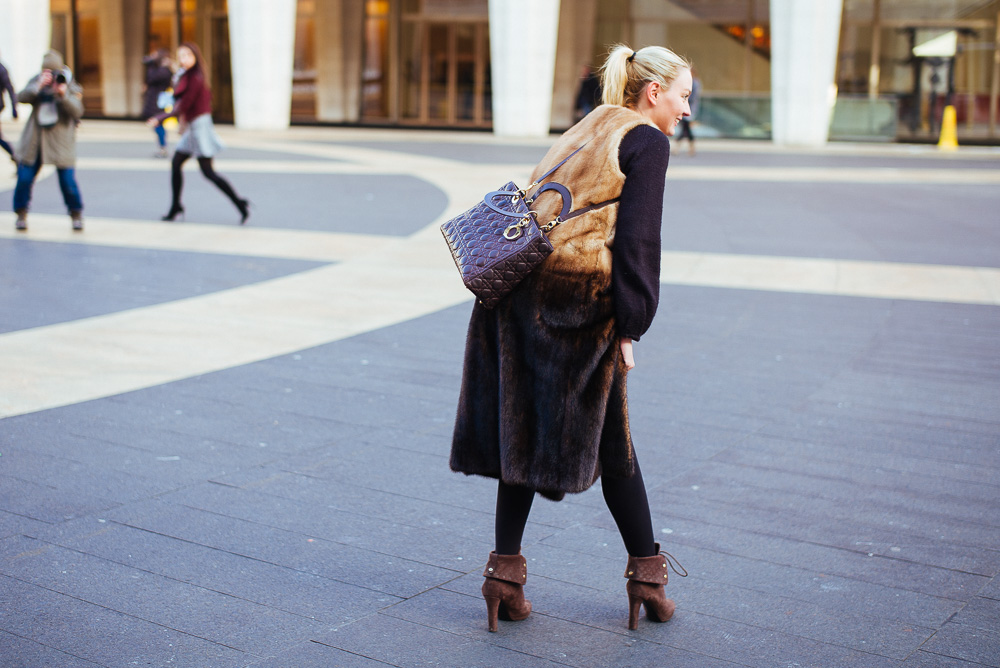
x=652, y=91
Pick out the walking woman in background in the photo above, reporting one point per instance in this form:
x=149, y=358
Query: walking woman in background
x=158, y=79
x=543, y=406
x=193, y=108
x=7, y=87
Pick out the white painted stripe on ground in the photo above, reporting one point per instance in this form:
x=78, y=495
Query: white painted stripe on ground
x=201, y=238
x=851, y=278
x=876, y=175
x=67, y=363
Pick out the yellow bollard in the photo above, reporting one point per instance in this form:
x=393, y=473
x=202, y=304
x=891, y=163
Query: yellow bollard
x=949, y=132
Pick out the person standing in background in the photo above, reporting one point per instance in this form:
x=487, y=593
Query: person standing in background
x=5, y=86
x=158, y=80
x=49, y=136
x=694, y=100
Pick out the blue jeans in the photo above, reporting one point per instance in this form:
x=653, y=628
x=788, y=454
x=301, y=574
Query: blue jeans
x=26, y=179
x=161, y=135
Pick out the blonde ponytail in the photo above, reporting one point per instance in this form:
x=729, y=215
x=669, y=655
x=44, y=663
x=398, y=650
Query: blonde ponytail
x=614, y=75
x=625, y=73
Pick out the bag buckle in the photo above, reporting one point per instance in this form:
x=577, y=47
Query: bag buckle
x=514, y=231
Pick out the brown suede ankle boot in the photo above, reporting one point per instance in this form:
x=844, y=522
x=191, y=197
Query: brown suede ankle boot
x=646, y=577
x=504, y=588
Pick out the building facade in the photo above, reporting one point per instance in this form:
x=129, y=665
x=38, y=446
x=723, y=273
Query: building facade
x=790, y=70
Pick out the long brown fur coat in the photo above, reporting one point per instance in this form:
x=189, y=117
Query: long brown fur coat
x=543, y=401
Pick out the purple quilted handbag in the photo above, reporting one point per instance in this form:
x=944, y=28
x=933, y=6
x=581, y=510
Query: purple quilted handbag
x=496, y=244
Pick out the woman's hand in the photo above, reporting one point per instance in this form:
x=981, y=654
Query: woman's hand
x=152, y=122
x=626, y=345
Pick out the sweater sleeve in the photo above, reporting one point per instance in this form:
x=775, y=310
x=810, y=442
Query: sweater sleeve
x=635, y=269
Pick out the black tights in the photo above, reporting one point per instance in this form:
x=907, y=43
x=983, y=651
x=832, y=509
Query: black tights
x=177, y=179
x=626, y=499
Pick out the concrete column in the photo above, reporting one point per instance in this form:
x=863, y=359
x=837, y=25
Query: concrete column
x=574, y=51
x=523, y=55
x=804, y=38
x=339, y=33
x=25, y=31
x=262, y=48
x=122, y=25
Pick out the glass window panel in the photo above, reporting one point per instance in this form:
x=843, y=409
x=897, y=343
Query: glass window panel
x=411, y=67
x=465, y=71
x=437, y=87
x=375, y=75
x=304, y=62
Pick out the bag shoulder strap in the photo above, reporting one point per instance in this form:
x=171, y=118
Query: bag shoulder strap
x=524, y=190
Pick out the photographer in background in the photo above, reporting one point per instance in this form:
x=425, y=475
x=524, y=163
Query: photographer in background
x=49, y=136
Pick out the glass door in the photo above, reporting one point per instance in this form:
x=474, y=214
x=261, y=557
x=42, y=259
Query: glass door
x=444, y=73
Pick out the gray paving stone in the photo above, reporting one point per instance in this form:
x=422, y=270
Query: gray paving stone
x=66, y=475
x=247, y=424
x=864, y=521
x=337, y=561
x=219, y=618
x=100, y=635
x=924, y=659
x=992, y=589
x=36, y=501
x=386, y=506
x=947, y=446
x=597, y=551
x=23, y=653
x=252, y=580
x=685, y=637
x=437, y=545
x=129, y=443
x=968, y=642
x=392, y=641
x=312, y=654
x=807, y=455
x=11, y=524
x=875, y=569
x=573, y=643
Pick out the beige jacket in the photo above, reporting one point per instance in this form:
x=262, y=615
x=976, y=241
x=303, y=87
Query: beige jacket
x=57, y=143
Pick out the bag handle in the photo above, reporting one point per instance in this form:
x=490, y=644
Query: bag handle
x=514, y=231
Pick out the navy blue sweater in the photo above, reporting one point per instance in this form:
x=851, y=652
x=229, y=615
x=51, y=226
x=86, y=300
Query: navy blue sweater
x=635, y=270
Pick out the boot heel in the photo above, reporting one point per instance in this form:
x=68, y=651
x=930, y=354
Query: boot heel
x=634, y=603
x=492, y=611
x=646, y=577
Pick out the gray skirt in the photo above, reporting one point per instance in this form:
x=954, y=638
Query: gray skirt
x=200, y=139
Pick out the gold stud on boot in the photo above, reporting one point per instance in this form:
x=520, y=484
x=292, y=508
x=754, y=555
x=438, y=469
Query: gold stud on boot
x=504, y=588
x=646, y=577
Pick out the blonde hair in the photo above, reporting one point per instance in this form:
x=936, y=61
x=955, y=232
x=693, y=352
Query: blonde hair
x=625, y=73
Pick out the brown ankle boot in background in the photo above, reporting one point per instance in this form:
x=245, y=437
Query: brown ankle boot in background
x=646, y=577
x=504, y=588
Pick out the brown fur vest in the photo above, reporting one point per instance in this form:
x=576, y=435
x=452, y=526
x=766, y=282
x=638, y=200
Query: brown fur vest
x=543, y=401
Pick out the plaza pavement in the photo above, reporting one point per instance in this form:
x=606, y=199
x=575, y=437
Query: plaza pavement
x=227, y=446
